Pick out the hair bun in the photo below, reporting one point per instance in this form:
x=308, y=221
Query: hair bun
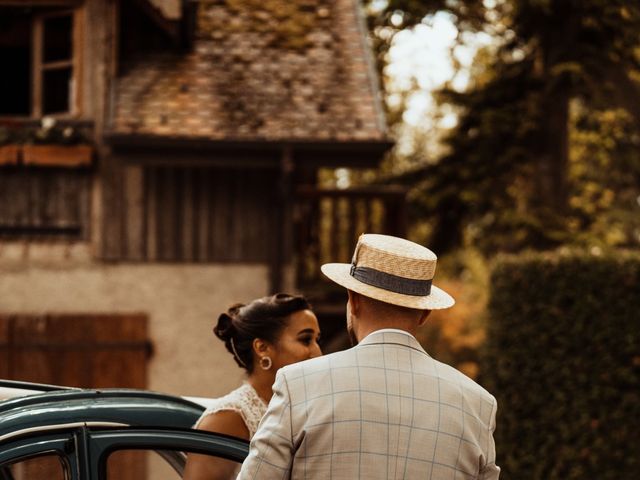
x=225, y=329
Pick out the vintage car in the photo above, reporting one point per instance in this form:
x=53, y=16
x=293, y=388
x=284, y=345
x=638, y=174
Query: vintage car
x=58, y=433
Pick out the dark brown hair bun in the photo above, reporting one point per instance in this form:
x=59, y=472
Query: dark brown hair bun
x=224, y=329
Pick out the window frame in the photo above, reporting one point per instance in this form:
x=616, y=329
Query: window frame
x=38, y=67
x=163, y=440
x=33, y=446
x=93, y=444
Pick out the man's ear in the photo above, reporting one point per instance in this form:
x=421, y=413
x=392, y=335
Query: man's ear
x=355, y=302
x=423, y=317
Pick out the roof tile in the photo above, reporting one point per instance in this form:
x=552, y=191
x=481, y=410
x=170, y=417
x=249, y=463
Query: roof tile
x=260, y=69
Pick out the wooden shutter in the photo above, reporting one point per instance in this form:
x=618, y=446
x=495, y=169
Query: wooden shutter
x=97, y=351
x=42, y=203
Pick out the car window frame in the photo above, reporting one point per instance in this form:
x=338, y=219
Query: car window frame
x=103, y=442
x=92, y=445
x=44, y=443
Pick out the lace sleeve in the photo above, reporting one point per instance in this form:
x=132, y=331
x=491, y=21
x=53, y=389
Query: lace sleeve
x=245, y=402
x=222, y=408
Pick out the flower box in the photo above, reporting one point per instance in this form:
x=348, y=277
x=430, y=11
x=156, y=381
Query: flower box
x=9, y=154
x=57, y=155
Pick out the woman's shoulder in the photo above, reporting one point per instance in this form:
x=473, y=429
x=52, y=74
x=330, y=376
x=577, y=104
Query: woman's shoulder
x=228, y=422
x=243, y=403
x=231, y=401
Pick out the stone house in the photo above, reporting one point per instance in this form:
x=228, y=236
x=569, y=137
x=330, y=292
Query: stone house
x=158, y=162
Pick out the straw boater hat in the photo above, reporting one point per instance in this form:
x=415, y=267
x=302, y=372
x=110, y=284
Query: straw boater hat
x=392, y=270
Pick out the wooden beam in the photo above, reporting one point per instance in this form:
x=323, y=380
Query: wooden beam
x=283, y=222
x=41, y=3
x=75, y=107
x=36, y=79
x=112, y=200
x=311, y=153
x=134, y=217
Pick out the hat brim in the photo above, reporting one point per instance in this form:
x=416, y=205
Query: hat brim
x=341, y=274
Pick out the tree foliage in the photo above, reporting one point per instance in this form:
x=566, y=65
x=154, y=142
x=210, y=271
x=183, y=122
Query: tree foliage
x=545, y=150
x=392, y=16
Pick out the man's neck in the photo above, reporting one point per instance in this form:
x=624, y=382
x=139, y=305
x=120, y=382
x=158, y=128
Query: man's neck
x=366, y=329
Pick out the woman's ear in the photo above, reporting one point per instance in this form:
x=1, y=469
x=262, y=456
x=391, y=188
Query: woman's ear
x=261, y=347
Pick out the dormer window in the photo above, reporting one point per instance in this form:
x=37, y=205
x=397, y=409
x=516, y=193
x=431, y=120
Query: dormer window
x=40, y=61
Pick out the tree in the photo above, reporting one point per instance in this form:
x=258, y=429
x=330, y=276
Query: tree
x=507, y=179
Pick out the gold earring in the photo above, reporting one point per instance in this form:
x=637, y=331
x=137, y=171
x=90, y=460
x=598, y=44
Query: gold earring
x=265, y=363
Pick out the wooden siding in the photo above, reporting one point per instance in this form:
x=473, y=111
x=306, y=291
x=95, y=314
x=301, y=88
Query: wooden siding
x=178, y=214
x=45, y=203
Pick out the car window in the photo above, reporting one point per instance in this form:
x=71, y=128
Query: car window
x=145, y=464
x=157, y=453
x=128, y=465
x=42, y=467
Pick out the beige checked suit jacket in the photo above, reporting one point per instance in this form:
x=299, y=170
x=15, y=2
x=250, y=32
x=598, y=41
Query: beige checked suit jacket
x=382, y=410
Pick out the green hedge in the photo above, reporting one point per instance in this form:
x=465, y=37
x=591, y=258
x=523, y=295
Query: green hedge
x=563, y=359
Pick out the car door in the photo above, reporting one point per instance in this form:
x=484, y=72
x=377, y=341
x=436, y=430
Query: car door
x=122, y=453
x=155, y=453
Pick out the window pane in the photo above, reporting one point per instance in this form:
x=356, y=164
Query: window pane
x=15, y=52
x=167, y=465
x=56, y=88
x=144, y=465
x=57, y=38
x=45, y=467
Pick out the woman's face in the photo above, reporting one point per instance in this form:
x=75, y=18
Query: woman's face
x=298, y=340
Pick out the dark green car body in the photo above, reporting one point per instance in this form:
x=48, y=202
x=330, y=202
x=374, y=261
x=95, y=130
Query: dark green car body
x=81, y=429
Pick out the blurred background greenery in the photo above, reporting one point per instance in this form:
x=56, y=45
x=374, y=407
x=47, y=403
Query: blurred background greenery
x=528, y=140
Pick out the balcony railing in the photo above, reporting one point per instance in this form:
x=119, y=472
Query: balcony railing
x=329, y=221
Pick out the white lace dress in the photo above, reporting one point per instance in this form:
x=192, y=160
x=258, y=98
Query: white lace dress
x=245, y=401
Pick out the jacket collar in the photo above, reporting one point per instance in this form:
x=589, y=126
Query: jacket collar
x=392, y=336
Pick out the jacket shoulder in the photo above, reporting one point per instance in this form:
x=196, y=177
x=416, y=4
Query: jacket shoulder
x=316, y=365
x=456, y=376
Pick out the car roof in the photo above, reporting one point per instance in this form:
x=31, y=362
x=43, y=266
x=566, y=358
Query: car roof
x=66, y=406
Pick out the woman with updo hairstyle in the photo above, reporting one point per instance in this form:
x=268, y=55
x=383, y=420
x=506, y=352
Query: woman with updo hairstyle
x=262, y=337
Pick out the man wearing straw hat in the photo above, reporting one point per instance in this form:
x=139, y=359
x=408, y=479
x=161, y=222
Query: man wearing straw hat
x=384, y=409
